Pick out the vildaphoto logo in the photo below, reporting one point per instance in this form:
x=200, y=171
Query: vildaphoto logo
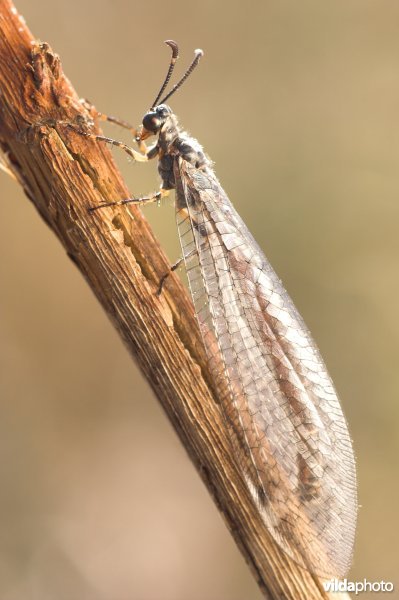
x=357, y=587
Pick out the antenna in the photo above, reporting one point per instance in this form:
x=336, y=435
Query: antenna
x=175, y=56
x=198, y=53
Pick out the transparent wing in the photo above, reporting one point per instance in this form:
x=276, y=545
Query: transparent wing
x=290, y=436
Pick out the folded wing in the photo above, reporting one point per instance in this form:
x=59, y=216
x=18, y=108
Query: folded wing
x=291, y=438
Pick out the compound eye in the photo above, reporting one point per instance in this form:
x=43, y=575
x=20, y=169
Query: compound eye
x=152, y=122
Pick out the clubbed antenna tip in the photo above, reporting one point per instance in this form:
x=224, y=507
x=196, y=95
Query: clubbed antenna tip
x=175, y=55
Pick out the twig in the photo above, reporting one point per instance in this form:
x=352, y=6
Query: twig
x=63, y=174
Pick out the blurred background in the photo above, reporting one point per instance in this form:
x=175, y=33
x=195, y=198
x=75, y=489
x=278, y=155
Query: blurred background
x=298, y=105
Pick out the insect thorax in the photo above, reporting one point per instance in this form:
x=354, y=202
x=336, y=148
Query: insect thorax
x=172, y=143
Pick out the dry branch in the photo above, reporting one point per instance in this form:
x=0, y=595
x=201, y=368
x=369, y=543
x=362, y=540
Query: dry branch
x=63, y=174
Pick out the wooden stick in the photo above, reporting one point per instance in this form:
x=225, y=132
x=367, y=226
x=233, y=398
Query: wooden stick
x=63, y=174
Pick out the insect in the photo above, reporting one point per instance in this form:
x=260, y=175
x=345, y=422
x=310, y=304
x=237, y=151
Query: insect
x=288, y=431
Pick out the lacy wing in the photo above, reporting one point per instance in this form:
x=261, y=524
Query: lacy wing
x=290, y=435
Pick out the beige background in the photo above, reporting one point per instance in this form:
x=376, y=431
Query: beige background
x=298, y=105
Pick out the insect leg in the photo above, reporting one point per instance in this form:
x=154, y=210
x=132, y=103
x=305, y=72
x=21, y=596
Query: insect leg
x=121, y=122
x=142, y=146
x=102, y=138
x=117, y=121
x=172, y=268
x=155, y=197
